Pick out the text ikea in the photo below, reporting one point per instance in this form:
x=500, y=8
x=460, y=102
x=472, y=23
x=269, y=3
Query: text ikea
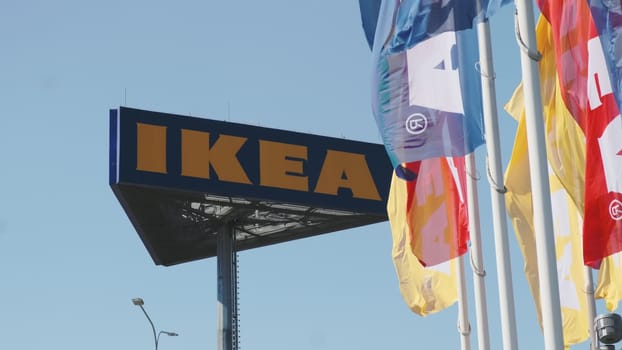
x=281, y=165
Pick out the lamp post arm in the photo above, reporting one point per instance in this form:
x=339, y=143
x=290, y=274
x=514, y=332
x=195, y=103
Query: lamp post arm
x=158, y=339
x=155, y=338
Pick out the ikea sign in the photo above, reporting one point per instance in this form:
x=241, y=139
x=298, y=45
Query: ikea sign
x=230, y=159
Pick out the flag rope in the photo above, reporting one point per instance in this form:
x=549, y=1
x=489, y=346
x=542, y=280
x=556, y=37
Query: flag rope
x=479, y=272
x=492, y=181
x=478, y=68
x=535, y=56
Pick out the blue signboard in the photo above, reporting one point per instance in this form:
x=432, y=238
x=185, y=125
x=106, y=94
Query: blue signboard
x=173, y=152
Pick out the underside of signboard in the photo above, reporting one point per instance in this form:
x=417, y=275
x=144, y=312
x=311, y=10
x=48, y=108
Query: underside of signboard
x=178, y=227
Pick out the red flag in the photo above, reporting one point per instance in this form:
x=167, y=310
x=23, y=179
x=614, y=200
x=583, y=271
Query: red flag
x=602, y=228
x=436, y=208
x=586, y=90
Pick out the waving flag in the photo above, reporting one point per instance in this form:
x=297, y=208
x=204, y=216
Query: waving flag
x=588, y=93
x=565, y=141
x=418, y=20
x=609, y=285
x=607, y=16
x=566, y=157
x=425, y=290
x=432, y=196
x=566, y=225
x=420, y=48
x=570, y=101
x=603, y=196
x=369, y=18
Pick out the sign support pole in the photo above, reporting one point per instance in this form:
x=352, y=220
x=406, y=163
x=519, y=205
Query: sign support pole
x=227, y=288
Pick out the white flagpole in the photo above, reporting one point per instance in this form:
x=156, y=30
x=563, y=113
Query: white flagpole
x=591, y=305
x=464, y=328
x=542, y=212
x=477, y=260
x=504, y=271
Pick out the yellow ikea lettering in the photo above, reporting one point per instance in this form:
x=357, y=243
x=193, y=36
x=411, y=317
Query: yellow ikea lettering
x=151, y=148
x=346, y=170
x=281, y=165
x=197, y=156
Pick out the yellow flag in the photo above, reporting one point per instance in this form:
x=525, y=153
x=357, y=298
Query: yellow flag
x=566, y=154
x=568, y=248
x=609, y=285
x=425, y=290
x=566, y=158
x=565, y=142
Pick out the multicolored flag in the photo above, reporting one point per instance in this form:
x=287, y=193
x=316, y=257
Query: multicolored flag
x=588, y=93
x=565, y=141
x=567, y=239
x=420, y=48
x=566, y=157
x=603, y=194
x=568, y=97
x=433, y=198
x=608, y=21
x=567, y=221
x=428, y=289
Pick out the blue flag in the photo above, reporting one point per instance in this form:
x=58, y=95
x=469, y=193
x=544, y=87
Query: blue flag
x=418, y=19
x=426, y=87
x=607, y=17
x=369, y=17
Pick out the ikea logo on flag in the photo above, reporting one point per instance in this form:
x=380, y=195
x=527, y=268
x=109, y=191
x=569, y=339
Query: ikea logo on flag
x=415, y=119
x=245, y=161
x=432, y=67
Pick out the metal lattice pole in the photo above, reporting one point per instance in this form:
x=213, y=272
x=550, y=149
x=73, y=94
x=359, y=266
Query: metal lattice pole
x=227, y=288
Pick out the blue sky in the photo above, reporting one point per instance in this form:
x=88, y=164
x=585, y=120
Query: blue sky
x=70, y=260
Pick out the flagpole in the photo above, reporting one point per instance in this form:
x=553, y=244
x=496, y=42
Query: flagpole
x=493, y=147
x=464, y=328
x=477, y=260
x=591, y=305
x=542, y=212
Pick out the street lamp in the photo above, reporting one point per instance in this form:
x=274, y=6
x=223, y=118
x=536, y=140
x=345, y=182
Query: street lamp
x=156, y=338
